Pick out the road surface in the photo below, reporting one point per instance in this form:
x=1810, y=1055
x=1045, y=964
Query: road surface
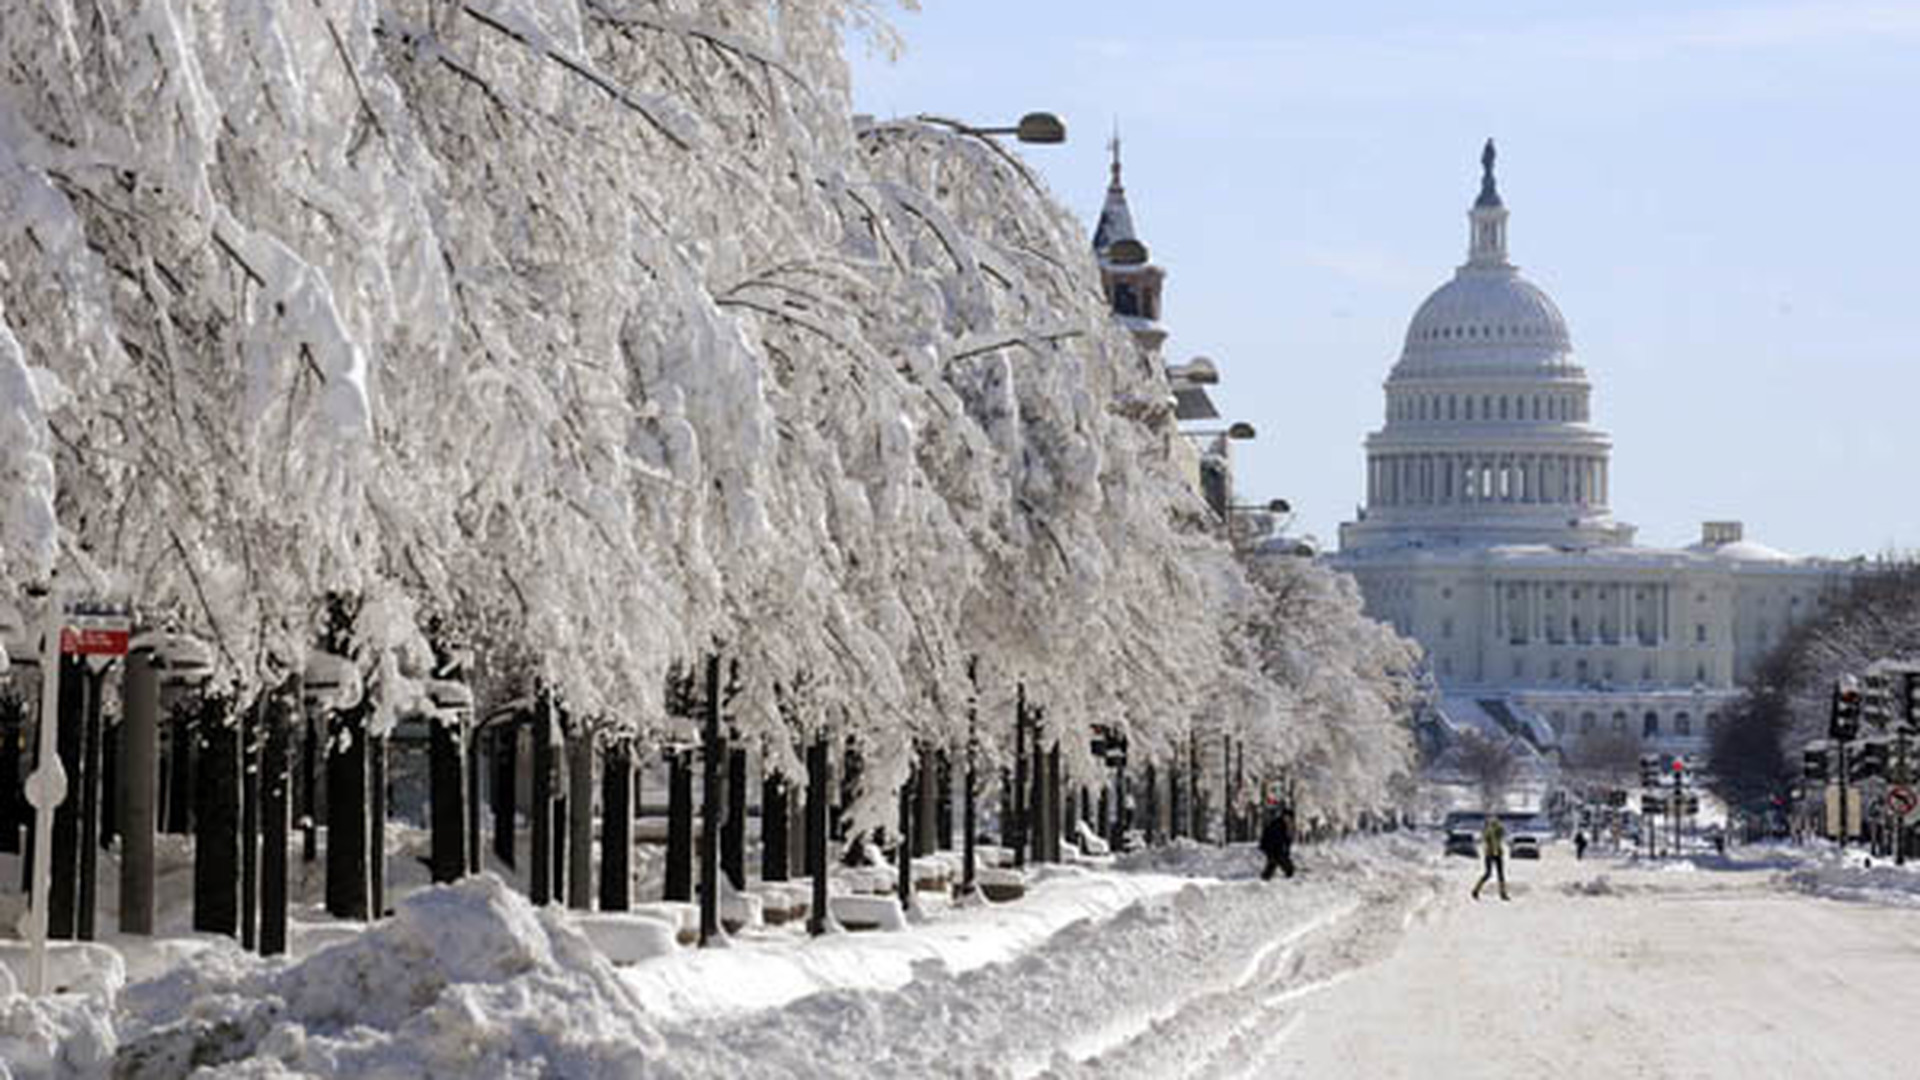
x=1598, y=970
x=1375, y=963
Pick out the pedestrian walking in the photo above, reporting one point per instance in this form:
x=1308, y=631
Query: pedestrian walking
x=1493, y=848
x=1276, y=843
x=1580, y=845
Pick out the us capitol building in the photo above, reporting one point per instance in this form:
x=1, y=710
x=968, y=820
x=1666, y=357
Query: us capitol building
x=1487, y=536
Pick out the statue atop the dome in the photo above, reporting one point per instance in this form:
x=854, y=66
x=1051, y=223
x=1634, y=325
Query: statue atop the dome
x=1489, y=195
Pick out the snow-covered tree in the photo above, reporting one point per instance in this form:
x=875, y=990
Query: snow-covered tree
x=597, y=336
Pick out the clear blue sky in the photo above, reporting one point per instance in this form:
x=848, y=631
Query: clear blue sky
x=1723, y=198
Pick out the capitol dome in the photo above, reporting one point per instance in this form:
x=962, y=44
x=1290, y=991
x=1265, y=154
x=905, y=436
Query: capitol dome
x=1488, y=318
x=1489, y=437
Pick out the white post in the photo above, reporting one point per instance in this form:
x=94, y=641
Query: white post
x=46, y=789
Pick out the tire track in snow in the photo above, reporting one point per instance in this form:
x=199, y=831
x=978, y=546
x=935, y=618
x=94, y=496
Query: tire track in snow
x=1124, y=1030
x=1225, y=1030
x=1164, y=981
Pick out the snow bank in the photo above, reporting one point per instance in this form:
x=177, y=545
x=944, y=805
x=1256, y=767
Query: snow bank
x=1855, y=877
x=468, y=980
x=1363, y=855
x=66, y=1033
x=757, y=974
x=60, y=1035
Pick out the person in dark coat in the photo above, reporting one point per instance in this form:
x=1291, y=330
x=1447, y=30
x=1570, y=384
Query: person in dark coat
x=1580, y=844
x=1276, y=843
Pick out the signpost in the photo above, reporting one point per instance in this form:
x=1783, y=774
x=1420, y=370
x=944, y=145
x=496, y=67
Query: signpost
x=96, y=633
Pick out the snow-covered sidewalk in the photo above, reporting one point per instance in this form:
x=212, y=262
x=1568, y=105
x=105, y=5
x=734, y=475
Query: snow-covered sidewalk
x=471, y=980
x=1159, y=988
x=761, y=974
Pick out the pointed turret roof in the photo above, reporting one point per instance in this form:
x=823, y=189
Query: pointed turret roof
x=1116, y=219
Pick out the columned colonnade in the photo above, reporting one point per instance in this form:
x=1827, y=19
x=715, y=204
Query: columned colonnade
x=1442, y=479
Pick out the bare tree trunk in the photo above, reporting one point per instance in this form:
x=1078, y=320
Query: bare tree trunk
x=140, y=733
x=710, y=806
x=903, y=849
x=63, y=897
x=541, y=887
x=819, y=784
x=216, y=841
x=447, y=797
x=679, y=880
x=473, y=843
x=580, y=753
x=179, y=803
x=733, y=834
x=249, y=722
x=926, y=816
x=348, y=884
x=774, y=857
x=13, y=793
x=88, y=846
x=377, y=827
x=506, y=785
x=283, y=711
x=616, y=827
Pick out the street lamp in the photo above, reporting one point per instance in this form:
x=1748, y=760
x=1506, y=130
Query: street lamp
x=1239, y=431
x=1276, y=507
x=1041, y=128
x=1198, y=371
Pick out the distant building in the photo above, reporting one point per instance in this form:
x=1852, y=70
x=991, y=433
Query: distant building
x=1133, y=284
x=1487, y=535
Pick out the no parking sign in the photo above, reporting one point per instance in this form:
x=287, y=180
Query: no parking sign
x=1902, y=801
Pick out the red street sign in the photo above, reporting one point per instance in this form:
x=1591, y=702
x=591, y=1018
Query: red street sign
x=96, y=636
x=1902, y=801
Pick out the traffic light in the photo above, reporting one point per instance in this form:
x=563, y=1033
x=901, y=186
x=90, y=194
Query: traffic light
x=1649, y=770
x=1843, y=723
x=1877, y=706
x=1910, y=701
x=1813, y=765
x=1867, y=762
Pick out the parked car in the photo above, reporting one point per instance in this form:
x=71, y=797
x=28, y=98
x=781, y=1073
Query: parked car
x=1462, y=843
x=1524, y=847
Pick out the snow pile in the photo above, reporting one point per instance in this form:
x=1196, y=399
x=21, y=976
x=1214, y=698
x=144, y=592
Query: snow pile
x=1190, y=858
x=1361, y=855
x=1851, y=876
x=1166, y=984
x=67, y=1032
x=61, y=1035
x=1596, y=886
x=468, y=979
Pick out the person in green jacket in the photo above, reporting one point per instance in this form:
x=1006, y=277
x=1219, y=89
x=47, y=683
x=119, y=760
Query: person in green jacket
x=1493, y=848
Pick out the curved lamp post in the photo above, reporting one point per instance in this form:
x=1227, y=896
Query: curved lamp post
x=1040, y=128
x=1240, y=431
